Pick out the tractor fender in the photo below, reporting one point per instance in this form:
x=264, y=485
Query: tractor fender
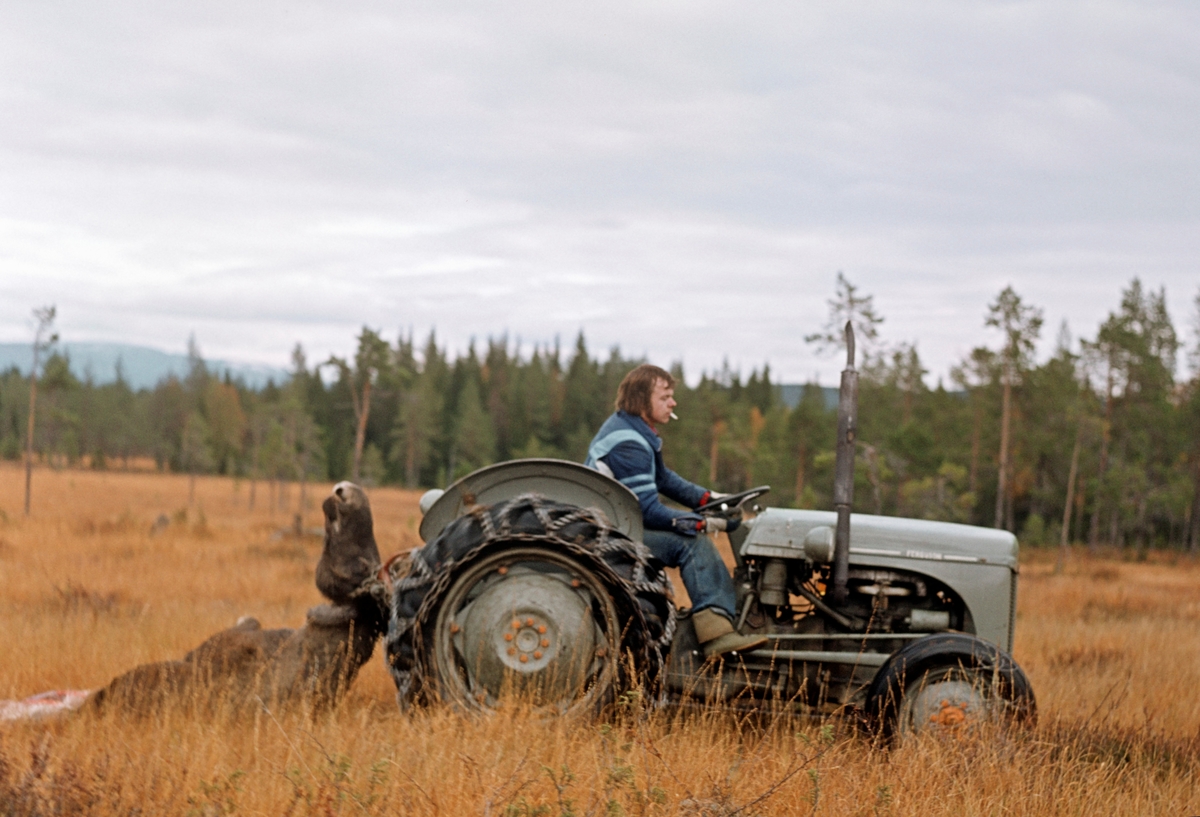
x=559, y=480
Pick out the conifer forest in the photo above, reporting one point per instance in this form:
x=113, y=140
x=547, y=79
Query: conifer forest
x=1096, y=442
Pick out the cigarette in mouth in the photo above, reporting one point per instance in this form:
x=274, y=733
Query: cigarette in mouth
x=674, y=416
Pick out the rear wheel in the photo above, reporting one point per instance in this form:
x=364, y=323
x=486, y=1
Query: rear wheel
x=460, y=626
x=528, y=622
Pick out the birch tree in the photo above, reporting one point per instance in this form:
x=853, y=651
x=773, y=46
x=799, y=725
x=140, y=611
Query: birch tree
x=43, y=338
x=370, y=359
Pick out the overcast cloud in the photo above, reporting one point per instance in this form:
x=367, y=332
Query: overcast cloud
x=682, y=179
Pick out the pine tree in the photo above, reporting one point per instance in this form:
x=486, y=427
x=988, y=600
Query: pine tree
x=474, y=435
x=1021, y=325
x=848, y=305
x=418, y=418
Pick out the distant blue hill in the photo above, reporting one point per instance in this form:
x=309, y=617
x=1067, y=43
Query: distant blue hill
x=143, y=367
x=790, y=394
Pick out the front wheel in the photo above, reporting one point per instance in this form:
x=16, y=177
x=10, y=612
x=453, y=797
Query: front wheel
x=949, y=682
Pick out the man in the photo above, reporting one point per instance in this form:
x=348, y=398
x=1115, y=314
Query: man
x=627, y=447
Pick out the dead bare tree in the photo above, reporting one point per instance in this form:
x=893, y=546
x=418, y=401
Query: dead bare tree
x=43, y=338
x=1082, y=423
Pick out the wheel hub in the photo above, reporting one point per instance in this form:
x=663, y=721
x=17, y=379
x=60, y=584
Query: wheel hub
x=527, y=629
x=947, y=704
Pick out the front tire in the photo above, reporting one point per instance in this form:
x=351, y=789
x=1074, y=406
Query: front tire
x=950, y=682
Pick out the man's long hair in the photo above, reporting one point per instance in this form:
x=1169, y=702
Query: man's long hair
x=633, y=395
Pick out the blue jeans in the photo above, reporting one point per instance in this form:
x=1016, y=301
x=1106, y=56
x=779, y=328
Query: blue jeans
x=704, y=574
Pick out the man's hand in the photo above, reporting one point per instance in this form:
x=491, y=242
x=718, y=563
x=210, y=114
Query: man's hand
x=713, y=524
x=690, y=526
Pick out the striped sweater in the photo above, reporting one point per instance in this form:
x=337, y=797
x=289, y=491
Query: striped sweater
x=627, y=449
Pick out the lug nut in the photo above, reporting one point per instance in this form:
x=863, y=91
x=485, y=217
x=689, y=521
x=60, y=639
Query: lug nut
x=529, y=622
x=516, y=624
x=537, y=653
x=542, y=629
x=508, y=636
x=524, y=658
x=502, y=570
x=575, y=582
x=512, y=650
x=545, y=642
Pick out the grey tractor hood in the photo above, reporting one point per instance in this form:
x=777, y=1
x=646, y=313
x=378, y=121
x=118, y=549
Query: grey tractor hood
x=781, y=532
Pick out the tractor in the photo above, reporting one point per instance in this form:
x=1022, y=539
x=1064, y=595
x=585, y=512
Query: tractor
x=533, y=581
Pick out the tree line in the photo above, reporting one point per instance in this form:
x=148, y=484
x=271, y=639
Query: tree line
x=1098, y=443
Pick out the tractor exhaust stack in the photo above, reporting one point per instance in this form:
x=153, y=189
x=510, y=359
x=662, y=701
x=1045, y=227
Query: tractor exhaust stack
x=843, y=480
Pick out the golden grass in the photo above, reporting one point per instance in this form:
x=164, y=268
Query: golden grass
x=1112, y=649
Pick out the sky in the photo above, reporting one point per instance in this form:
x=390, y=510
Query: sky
x=682, y=179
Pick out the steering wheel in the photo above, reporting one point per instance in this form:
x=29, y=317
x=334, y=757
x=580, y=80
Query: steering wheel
x=731, y=505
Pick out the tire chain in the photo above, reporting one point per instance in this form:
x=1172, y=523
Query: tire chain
x=646, y=584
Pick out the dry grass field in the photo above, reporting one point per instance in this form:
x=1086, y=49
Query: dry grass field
x=1112, y=649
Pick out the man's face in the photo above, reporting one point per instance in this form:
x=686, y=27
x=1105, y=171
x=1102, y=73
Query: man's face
x=662, y=400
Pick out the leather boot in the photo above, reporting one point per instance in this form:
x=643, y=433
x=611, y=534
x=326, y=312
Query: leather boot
x=717, y=636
